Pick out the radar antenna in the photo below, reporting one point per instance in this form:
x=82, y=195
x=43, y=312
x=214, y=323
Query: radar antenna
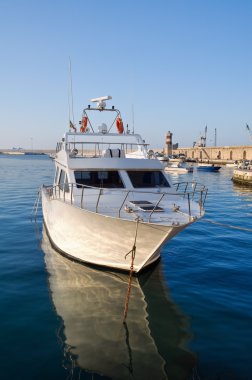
x=100, y=102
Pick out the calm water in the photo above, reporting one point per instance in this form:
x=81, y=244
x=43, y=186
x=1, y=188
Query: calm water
x=189, y=318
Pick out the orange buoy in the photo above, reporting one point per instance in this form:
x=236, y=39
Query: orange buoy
x=84, y=123
x=119, y=125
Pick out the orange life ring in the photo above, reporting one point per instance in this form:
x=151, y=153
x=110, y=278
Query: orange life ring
x=119, y=125
x=84, y=123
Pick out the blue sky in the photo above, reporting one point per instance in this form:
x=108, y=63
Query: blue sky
x=181, y=64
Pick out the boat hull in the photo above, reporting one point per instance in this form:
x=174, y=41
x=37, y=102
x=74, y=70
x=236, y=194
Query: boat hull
x=178, y=169
x=103, y=240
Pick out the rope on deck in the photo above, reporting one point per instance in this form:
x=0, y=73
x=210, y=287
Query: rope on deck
x=133, y=254
x=227, y=225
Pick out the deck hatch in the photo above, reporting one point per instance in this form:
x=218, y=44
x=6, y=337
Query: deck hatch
x=146, y=206
x=151, y=208
x=139, y=203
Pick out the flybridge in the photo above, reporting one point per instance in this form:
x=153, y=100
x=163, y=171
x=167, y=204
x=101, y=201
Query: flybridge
x=96, y=144
x=102, y=140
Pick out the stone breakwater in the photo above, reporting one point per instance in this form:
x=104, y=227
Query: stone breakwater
x=26, y=151
x=243, y=176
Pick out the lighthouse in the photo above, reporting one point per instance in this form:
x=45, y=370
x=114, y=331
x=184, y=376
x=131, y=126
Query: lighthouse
x=168, y=143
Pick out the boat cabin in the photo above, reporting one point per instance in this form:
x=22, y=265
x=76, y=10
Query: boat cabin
x=110, y=161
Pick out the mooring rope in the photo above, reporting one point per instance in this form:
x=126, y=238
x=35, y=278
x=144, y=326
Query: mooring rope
x=36, y=204
x=127, y=340
x=227, y=225
x=133, y=254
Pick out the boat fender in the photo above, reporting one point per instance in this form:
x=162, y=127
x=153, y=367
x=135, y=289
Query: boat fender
x=119, y=125
x=84, y=123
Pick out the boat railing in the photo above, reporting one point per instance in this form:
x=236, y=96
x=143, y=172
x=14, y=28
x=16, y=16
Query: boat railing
x=118, y=201
x=96, y=149
x=182, y=188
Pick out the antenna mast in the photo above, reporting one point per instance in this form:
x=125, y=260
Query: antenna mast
x=133, y=121
x=70, y=95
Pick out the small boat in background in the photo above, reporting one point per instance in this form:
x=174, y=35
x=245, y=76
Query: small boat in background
x=178, y=168
x=208, y=167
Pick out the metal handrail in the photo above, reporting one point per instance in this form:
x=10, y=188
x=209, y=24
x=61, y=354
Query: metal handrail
x=82, y=193
x=156, y=205
x=98, y=199
x=137, y=191
x=95, y=146
x=54, y=192
x=119, y=189
x=119, y=212
x=189, y=205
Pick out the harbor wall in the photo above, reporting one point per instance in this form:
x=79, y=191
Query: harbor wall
x=217, y=153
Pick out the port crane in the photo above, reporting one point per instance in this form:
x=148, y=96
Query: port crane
x=201, y=144
x=202, y=140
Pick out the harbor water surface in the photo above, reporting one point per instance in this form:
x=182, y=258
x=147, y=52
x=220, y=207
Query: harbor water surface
x=189, y=316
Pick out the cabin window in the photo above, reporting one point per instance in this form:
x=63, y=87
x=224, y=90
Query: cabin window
x=148, y=179
x=104, y=178
x=63, y=181
x=66, y=184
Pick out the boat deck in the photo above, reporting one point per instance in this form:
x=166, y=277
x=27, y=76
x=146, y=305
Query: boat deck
x=161, y=208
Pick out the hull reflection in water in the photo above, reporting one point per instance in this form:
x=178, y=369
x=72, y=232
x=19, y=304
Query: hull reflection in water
x=150, y=345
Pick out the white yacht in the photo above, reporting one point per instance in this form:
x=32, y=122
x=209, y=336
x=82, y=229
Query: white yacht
x=111, y=203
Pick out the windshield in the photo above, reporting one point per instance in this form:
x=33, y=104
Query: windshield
x=148, y=179
x=105, y=178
